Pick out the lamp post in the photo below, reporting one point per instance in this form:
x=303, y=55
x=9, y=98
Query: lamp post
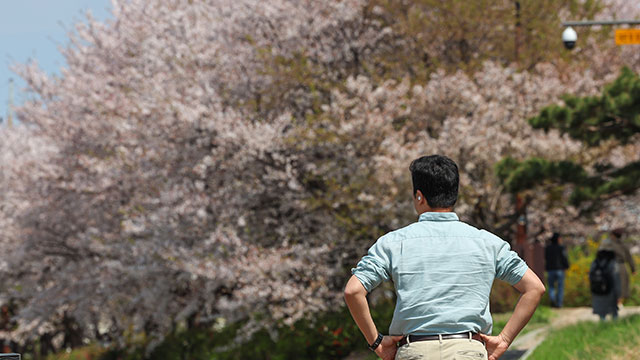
x=569, y=35
x=603, y=22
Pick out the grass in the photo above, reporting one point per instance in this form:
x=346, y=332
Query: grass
x=626, y=352
x=601, y=340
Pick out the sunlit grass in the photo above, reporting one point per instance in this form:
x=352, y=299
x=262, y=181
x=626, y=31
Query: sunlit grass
x=589, y=340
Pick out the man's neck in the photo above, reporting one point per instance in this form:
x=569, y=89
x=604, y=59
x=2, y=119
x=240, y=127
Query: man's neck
x=437, y=210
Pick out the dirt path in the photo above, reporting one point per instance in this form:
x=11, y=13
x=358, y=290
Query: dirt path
x=524, y=345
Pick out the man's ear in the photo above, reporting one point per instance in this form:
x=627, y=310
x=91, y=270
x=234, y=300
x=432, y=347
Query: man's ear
x=419, y=196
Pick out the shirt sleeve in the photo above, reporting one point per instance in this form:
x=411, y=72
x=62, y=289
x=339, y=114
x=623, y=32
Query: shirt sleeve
x=509, y=266
x=374, y=267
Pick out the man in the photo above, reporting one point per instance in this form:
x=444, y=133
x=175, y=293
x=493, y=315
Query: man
x=442, y=270
x=556, y=262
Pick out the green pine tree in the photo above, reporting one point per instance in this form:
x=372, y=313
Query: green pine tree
x=612, y=118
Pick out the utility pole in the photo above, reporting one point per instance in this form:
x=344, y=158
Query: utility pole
x=533, y=254
x=521, y=227
x=517, y=34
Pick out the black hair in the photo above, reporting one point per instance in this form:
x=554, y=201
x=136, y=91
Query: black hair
x=618, y=232
x=554, y=238
x=436, y=176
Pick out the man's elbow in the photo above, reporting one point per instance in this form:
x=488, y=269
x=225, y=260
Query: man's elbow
x=538, y=289
x=350, y=292
x=531, y=285
x=354, y=289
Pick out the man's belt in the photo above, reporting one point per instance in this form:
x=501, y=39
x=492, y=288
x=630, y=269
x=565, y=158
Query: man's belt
x=414, y=338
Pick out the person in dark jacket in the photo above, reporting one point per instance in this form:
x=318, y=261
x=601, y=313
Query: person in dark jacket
x=604, y=304
x=556, y=262
x=623, y=257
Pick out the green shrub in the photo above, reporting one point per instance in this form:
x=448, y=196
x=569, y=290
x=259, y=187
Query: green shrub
x=576, y=284
x=91, y=352
x=331, y=335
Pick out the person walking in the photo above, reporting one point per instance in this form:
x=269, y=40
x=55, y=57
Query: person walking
x=442, y=270
x=556, y=262
x=604, y=282
x=622, y=257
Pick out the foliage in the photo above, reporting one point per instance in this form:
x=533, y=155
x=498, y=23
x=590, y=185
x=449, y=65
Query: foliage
x=593, y=119
x=228, y=161
x=332, y=335
x=576, y=285
x=588, y=340
x=503, y=297
x=91, y=352
x=164, y=204
x=613, y=117
x=431, y=34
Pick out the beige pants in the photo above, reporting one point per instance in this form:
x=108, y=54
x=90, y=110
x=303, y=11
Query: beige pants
x=453, y=349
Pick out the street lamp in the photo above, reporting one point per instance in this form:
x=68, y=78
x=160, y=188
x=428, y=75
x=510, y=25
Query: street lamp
x=570, y=37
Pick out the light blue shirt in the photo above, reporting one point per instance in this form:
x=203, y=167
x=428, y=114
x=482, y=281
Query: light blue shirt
x=442, y=270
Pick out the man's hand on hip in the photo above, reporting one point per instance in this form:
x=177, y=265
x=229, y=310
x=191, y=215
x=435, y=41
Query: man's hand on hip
x=495, y=345
x=531, y=289
x=388, y=347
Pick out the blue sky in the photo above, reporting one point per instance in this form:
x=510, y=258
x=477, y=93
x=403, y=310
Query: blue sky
x=34, y=29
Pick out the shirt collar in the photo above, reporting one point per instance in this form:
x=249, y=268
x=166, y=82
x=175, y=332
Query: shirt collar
x=438, y=216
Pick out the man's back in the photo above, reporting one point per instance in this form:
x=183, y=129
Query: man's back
x=442, y=270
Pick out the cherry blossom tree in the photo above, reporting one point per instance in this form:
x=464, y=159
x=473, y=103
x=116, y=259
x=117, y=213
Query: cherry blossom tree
x=167, y=202
x=227, y=161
